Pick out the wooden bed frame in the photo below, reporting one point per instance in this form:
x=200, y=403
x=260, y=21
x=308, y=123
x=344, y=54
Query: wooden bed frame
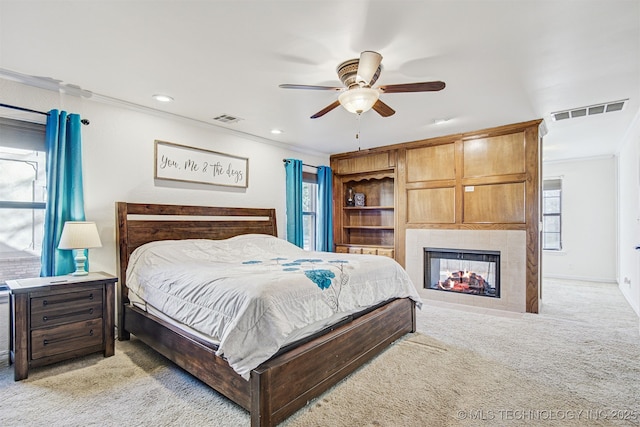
x=284, y=383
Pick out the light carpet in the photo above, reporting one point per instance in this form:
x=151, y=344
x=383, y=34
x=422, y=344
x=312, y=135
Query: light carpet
x=575, y=363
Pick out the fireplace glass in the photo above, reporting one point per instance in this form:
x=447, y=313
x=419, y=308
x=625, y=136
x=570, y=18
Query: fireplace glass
x=472, y=272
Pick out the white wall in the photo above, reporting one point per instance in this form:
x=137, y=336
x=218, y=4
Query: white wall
x=588, y=221
x=629, y=216
x=118, y=161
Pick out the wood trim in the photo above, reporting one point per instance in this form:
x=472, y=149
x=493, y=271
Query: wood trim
x=401, y=207
x=448, y=139
x=109, y=320
x=459, y=195
x=20, y=343
x=309, y=177
x=532, y=212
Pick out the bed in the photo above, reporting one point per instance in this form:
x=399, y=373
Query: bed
x=297, y=372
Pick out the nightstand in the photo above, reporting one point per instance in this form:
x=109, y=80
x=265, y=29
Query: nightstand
x=61, y=317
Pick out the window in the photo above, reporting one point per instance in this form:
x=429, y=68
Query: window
x=552, y=214
x=309, y=210
x=22, y=198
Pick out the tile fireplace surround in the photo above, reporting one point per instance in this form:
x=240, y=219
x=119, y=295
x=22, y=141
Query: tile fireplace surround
x=510, y=243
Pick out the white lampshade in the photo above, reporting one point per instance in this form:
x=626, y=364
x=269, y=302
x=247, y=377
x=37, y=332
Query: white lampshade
x=358, y=100
x=79, y=235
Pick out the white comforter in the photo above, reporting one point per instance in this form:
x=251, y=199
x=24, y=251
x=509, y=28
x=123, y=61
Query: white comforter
x=256, y=293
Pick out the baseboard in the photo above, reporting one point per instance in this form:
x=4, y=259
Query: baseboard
x=580, y=278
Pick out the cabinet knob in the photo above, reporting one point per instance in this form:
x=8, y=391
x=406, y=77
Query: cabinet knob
x=45, y=302
x=91, y=332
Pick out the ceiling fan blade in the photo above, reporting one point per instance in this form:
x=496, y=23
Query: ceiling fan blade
x=325, y=110
x=367, y=66
x=311, y=87
x=383, y=109
x=413, y=87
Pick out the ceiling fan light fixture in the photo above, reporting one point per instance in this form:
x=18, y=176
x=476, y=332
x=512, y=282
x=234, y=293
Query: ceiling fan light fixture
x=359, y=100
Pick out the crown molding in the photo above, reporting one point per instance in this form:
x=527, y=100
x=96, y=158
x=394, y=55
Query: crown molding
x=54, y=85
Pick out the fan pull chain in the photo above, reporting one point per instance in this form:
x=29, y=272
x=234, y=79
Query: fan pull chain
x=358, y=129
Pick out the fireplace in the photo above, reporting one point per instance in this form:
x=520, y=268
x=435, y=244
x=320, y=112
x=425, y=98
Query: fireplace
x=472, y=272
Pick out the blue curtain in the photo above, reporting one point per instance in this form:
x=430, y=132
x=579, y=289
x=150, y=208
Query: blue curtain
x=65, y=200
x=324, y=226
x=293, y=168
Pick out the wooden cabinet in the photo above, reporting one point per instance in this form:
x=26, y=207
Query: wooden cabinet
x=57, y=318
x=483, y=180
x=367, y=227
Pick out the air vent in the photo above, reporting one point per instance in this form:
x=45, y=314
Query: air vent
x=589, y=111
x=225, y=118
x=615, y=106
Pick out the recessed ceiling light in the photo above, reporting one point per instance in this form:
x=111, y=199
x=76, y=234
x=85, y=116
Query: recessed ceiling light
x=440, y=121
x=162, y=98
x=276, y=131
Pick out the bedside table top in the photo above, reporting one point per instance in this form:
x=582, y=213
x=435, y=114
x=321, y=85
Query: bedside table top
x=27, y=285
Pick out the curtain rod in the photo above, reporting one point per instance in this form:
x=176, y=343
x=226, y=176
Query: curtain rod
x=83, y=121
x=304, y=164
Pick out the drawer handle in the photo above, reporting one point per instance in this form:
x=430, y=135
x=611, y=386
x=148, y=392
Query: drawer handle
x=47, y=342
x=90, y=297
x=61, y=316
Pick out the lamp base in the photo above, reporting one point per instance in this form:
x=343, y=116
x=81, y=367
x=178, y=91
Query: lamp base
x=80, y=260
x=80, y=273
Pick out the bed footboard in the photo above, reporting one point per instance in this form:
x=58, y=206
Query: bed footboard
x=281, y=386
x=286, y=383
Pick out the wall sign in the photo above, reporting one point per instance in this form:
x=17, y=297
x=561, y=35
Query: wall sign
x=181, y=163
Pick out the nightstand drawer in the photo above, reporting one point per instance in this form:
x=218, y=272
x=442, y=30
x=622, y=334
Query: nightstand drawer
x=65, y=338
x=68, y=307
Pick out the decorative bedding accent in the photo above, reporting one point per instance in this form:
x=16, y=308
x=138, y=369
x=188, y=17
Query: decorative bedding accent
x=255, y=293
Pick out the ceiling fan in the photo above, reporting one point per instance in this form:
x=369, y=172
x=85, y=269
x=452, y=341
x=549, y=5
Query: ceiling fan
x=358, y=75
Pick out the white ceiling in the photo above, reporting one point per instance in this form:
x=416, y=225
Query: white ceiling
x=503, y=62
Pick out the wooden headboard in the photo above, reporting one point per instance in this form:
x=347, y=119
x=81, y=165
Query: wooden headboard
x=140, y=223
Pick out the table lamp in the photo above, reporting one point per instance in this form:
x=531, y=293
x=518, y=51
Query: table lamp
x=79, y=235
